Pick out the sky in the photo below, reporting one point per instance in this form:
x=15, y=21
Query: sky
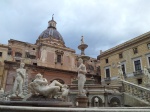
x=103, y=23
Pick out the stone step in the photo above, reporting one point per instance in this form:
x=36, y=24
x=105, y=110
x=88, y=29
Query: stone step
x=60, y=109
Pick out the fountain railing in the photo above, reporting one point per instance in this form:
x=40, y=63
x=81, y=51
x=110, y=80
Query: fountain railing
x=137, y=91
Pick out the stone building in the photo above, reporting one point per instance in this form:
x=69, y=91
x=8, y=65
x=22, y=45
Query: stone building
x=3, y=56
x=133, y=56
x=48, y=56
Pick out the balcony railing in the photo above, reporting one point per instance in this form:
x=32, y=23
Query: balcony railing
x=138, y=73
x=107, y=79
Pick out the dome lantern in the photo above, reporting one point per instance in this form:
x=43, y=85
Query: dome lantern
x=52, y=23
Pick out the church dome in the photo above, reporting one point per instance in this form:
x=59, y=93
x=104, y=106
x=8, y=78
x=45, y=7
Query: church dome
x=51, y=32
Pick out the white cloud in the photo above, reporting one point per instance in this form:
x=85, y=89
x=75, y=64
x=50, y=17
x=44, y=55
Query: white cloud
x=103, y=23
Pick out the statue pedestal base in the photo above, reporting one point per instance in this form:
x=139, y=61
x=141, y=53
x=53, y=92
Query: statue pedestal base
x=82, y=101
x=16, y=99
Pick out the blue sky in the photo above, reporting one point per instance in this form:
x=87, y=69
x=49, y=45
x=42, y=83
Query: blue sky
x=103, y=23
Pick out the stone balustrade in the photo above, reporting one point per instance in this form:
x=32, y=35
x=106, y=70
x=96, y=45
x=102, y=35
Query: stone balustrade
x=139, y=92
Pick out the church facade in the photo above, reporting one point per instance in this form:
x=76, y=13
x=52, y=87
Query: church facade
x=48, y=56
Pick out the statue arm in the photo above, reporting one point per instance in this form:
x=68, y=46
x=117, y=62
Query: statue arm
x=22, y=73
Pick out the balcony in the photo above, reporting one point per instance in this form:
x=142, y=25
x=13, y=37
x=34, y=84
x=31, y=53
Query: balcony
x=107, y=79
x=138, y=73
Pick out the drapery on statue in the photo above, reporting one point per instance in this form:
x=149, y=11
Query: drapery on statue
x=19, y=80
x=40, y=86
x=120, y=72
x=81, y=77
x=146, y=72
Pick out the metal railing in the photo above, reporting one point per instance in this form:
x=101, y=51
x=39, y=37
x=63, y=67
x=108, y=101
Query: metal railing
x=139, y=72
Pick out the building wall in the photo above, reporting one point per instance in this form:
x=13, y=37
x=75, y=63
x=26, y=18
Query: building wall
x=32, y=71
x=128, y=58
x=3, y=50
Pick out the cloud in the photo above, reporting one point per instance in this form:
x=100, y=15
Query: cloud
x=103, y=23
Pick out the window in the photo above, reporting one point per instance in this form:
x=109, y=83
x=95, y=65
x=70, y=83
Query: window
x=135, y=50
x=1, y=54
x=123, y=68
x=9, y=51
x=33, y=48
x=18, y=54
x=139, y=81
x=137, y=65
x=32, y=57
x=120, y=55
x=59, y=58
x=35, y=64
x=106, y=60
x=107, y=72
x=27, y=54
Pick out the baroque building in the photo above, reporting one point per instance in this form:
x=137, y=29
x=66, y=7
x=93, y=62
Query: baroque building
x=48, y=56
x=133, y=56
x=55, y=61
x=3, y=57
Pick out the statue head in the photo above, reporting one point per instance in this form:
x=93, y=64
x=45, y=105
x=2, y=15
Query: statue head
x=22, y=65
x=80, y=60
x=39, y=75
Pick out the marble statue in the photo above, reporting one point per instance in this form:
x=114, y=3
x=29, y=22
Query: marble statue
x=19, y=80
x=146, y=72
x=65, y=92
x=96, y=101
x=40, y=86
x=82, y=40
x=1, y=91
x=81, y=77
x=120, y=72
x=43, y=55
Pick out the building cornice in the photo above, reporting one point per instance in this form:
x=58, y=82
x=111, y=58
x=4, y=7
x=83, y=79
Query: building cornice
x=126, y=44
x=59, y=47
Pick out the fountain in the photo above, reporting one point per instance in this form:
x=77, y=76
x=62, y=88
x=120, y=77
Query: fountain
x=82, y=47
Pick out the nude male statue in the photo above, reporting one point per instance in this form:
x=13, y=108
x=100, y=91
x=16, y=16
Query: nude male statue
x=19, y=80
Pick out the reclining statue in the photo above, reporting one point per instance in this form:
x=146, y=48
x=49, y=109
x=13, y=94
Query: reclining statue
x=40, y=86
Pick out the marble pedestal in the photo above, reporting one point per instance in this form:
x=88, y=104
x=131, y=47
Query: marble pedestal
x=82, y=101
